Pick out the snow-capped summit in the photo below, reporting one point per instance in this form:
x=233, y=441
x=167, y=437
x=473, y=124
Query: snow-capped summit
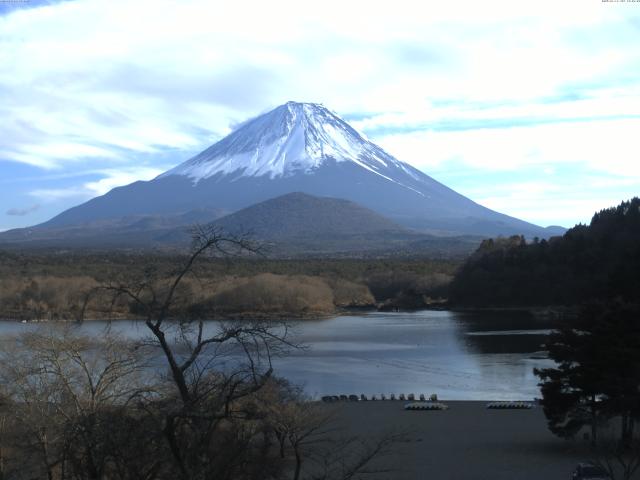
x=297, y=147
x=292, y=138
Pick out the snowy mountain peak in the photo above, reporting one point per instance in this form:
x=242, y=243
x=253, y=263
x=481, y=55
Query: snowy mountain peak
x=292, y=138
x=296, y=147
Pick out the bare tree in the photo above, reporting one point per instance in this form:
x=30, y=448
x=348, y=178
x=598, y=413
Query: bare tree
x=620, y=460
x=297, y=424
x=212, y=369
x=350, y=457
x=61, y=384
x=309, y=434
x=3, y=430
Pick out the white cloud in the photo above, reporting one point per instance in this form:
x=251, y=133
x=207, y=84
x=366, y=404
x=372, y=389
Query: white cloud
x=551, y=203
x=119, y=178
x=51, y=155
x=603, y=104
x=607, y=146
x=111, y=179
x=576, y=168
x=55, y=194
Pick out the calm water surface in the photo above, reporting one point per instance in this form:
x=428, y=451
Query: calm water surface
x=482, y=356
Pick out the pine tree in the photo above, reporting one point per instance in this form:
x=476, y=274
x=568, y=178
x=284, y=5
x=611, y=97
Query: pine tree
x=598, y=371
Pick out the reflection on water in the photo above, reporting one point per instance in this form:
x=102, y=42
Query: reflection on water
x=502, y=332
x=484, y=356
x=456, y=355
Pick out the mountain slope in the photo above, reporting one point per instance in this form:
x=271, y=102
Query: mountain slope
x=136, y=231
x=298, y=224
x=301, y=215
x=298, y=147
x=292, y=225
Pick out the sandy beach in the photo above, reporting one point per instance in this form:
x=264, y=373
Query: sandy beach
x=467, y=441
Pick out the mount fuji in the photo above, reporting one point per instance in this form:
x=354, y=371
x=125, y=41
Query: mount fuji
x=297, y=147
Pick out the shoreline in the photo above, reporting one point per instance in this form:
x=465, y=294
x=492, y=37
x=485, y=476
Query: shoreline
x=402, y=403
x=550, y=312
x=537, y=311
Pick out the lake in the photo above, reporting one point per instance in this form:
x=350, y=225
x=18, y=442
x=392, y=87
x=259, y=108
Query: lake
x=457, y=355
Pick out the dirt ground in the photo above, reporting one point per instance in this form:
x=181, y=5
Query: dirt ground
x=467, y=441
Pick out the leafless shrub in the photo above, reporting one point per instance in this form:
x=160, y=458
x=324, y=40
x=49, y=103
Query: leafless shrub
x=271, y=293
x=63, y=389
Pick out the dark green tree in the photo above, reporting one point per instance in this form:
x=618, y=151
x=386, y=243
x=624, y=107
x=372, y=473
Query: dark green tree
x=599, y=261
x=597, y=376
x=571, y=391
x=617, y=326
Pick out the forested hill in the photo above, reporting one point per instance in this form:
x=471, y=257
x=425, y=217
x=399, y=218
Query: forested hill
x=598, y=261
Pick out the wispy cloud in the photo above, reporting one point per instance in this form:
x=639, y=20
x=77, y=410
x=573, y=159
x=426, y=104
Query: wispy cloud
x=111, y=178
x=117, y=178
x=605, y=145
x=55, y=194
x=21, y=212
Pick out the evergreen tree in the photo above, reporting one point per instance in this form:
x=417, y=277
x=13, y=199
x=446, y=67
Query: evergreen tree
x=599, y=261
x=597, y=376
x=571, y=391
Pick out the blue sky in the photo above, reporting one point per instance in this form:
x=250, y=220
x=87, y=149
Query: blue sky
x=530, y=108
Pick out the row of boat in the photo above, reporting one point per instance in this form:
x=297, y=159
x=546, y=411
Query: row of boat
x=422, y=403
x=363, y=398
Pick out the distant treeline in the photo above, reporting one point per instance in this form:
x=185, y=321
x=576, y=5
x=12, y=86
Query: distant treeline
x=600, y=261
x=54, y=285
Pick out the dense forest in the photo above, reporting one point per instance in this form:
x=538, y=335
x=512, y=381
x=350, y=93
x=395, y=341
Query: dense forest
x=599, y=261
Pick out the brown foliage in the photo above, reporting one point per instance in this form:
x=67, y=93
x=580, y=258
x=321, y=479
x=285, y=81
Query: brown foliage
x=350, y=294
x=269, y=293
x=62, y=298
x=43, y=297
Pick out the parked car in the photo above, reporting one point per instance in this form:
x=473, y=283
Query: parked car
x=589, y=471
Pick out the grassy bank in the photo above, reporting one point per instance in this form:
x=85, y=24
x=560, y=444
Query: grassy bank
x=54, y=286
